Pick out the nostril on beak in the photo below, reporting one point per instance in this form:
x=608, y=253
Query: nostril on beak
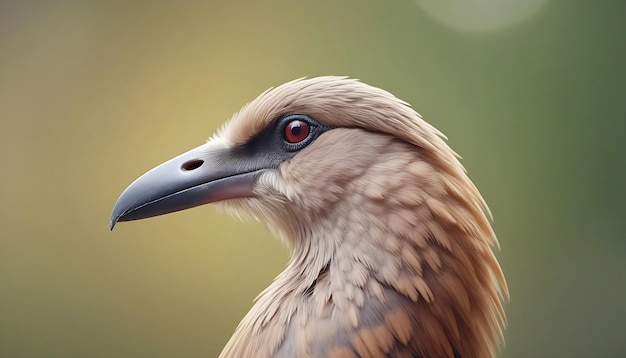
x=192, y=165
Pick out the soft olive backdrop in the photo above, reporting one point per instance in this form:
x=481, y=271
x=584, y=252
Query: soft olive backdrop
x=94, y=93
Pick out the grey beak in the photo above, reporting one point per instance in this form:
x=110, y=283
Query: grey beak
x=203, y=175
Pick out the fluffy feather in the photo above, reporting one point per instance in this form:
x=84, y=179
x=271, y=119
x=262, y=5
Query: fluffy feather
x=390, y=240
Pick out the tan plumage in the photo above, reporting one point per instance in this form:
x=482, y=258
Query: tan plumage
x=390, y=244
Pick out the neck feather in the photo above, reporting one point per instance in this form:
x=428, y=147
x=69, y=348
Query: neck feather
x=417, y=242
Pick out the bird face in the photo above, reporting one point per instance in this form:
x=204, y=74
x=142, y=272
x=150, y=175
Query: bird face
x=216, y=171
x=285, y=159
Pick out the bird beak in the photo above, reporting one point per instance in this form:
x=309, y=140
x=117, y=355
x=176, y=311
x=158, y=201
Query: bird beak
x=203, y=175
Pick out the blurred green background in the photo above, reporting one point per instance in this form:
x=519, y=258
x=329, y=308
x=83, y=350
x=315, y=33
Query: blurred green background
x=94, y=93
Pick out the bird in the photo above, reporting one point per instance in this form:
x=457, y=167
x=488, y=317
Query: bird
x=391, y=244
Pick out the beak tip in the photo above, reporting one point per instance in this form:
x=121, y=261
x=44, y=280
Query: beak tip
x=115, y=218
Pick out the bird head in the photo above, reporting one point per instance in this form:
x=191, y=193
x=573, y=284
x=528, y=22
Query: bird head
x=349, y=176
x=292, y=155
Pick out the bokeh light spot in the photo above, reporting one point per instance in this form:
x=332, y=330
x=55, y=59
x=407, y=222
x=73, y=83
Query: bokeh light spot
x=481, y=15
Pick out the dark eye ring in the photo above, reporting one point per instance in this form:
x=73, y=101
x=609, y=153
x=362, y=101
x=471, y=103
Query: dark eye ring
x=296, y=131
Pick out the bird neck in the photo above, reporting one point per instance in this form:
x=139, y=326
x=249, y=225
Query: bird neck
x=410, y=255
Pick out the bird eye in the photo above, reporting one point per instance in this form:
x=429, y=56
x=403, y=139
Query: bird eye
x=296, y=131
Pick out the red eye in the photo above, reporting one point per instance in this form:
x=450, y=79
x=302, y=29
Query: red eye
x=296, y=131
